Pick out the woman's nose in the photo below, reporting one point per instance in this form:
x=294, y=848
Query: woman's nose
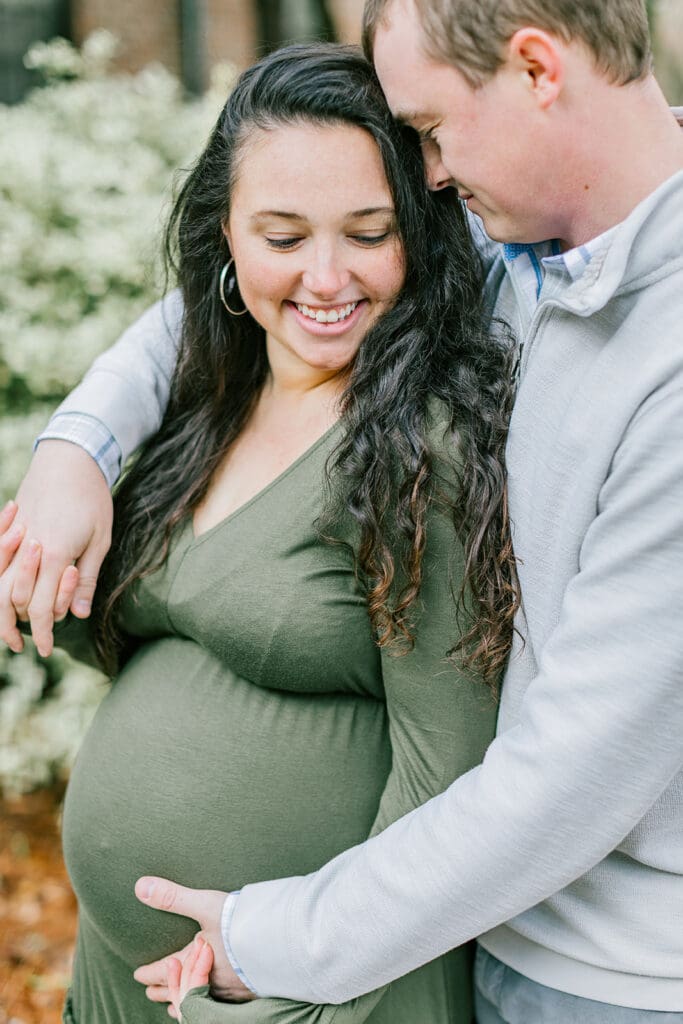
x=327, y=274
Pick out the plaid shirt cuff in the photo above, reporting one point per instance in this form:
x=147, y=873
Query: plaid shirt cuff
x=90, y=434
x=226, y=919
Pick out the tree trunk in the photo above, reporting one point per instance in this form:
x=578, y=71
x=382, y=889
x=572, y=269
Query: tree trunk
x=290, y=21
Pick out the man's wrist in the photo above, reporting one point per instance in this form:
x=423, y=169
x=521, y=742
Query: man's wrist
x=226, y=919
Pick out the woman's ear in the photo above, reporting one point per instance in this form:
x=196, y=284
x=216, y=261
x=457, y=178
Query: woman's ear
x=539, y=57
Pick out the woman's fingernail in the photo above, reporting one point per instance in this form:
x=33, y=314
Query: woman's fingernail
x=82, y=607
x=33, y=548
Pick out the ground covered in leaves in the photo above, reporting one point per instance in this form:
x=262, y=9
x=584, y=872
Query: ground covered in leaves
x=37, y=911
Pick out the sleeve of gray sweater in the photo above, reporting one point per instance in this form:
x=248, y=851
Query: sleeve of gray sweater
x=597, y=739
x=125, y=392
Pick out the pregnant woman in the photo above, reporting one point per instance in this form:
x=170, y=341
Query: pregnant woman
x=310, y=581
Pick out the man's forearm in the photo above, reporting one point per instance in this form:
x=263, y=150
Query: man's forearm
x=123, y=397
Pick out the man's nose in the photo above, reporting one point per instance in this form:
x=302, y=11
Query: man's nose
x=436, y=174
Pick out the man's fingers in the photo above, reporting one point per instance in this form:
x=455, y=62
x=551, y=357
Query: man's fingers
x=88, y=565
x=199, y=904
x=41, y=609
x=25, y=578
x=65, y=592
x=81, y=603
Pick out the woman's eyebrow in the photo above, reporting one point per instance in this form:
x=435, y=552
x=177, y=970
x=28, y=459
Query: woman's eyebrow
x=367, y=211
x=283, y=214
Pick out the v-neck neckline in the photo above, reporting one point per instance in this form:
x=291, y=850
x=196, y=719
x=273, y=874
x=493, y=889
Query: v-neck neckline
x=196, y=539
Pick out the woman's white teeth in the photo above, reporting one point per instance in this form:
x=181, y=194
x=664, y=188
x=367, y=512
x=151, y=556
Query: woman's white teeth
x=327, y=316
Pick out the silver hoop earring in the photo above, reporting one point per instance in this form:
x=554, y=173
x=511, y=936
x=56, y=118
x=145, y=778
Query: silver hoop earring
x=221, y=289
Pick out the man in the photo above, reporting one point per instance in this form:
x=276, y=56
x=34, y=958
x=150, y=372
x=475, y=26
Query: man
x=564, y=850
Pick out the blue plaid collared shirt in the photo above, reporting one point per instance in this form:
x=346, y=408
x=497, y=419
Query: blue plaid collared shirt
x=526, y=264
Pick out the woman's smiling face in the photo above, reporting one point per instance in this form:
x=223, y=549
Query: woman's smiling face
x=313, y=233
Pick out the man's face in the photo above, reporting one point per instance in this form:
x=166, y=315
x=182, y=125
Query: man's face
x=484, y=142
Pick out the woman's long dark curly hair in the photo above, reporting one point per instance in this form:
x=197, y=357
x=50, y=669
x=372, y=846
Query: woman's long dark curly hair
x=432, y=346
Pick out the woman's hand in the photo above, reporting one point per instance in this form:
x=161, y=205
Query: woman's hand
x=62, y=515
x=10, y=536
x=204, y=906
x=192, y=973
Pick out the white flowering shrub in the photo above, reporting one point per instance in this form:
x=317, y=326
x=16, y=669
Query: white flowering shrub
x=84, y=186
x=45, y=708
x=86, y=177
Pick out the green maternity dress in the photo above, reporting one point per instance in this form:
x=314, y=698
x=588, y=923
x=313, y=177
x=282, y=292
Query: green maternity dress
x=255, y=733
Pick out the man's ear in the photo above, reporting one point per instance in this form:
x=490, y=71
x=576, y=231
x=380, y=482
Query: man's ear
x=538, y=57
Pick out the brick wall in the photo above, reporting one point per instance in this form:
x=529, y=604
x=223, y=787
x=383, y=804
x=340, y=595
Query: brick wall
x=231, y=31
x=149, y=31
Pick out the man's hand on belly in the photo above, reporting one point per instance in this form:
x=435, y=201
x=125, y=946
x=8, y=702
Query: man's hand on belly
x=205, y=907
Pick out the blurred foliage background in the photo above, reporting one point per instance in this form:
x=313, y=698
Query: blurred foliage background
x=86, y=174
x=89, y=159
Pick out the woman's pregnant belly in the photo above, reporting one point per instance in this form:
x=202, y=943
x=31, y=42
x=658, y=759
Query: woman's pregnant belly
x=194, y=774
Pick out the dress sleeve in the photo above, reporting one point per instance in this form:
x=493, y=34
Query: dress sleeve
x=440, y=722
x=122, y=398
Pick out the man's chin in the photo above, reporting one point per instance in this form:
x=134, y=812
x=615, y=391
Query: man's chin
x=493, y=225
x=498, y=229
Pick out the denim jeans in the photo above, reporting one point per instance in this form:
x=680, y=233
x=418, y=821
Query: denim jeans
x=502, y=996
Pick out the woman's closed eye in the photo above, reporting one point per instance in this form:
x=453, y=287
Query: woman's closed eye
x=284, y=243
x=366, y=239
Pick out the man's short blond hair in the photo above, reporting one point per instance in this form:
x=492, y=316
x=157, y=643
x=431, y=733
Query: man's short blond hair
x=471, y=34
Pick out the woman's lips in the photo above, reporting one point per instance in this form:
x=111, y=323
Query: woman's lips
x=328, y=330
